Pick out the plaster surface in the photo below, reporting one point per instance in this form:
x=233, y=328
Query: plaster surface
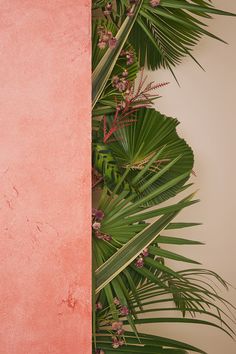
x=45, y=254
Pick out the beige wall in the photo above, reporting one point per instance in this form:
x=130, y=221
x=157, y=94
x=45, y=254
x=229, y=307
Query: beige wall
x=206, y=107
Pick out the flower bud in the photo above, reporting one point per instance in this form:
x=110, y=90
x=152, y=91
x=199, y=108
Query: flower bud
x=124, y=311
x=145, y=252
x=139, y=263
x=116, y=301
x=96, y=225
x=154, y=3
x=99, y=306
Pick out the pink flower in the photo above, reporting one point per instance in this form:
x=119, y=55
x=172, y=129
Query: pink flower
x=112, y=42
x=155, y=3
x=117, y=325
x=115, y=343
x=106, y=237
x=99, y=306
x=121, y=86
x=116, y=301
x=105, y=37
x=120, y=332
x=109, y=6
x=129, y=54
x=108, y=9
x=102, y=45
x=124, y=311
x=99, y=235
x=121, y=105
x=106, y=12
x=145, y=252
x=115, y=80
x=96, y=225
x=130, y=12
x=139, y=263
x=99, y=351
x=121, y=342
x=130, y=60
x=94, y=211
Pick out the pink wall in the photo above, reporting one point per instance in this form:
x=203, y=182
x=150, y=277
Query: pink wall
x=45, y=177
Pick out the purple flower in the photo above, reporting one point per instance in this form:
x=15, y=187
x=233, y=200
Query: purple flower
x=129, y=54
x=121, y=86
x=99, y=215
x=115, y=80
x=124, y=311
x=94, y=211
x=106, y=38
x=139, y=263
x=130, y=58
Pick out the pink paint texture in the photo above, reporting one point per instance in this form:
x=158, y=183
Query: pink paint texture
x=45, y=255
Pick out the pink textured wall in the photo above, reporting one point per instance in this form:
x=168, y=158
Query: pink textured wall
x=45, y=177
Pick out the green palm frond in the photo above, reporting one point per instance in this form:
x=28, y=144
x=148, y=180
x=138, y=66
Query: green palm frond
x=194, y=297
x=125, y=224
x=164, y=34
x=136, y=146
x=149, y=344
x=170, y=31
x=104, y=68
x=139, y=162
x=105, y=164
x=110, y=96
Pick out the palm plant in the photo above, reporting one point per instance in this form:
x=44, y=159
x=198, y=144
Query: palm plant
x=139, y=164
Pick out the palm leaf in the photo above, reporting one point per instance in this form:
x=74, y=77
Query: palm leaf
x=147, y=342
x=169, y=32
x=126, y=254
x=163, y=35
x=110, y=96
x=137, y=144
x=103, y=70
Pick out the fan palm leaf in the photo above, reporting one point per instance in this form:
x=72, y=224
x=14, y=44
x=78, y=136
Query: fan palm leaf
x=148, y=145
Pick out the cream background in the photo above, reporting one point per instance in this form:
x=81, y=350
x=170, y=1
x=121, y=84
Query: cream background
x=205, y=106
